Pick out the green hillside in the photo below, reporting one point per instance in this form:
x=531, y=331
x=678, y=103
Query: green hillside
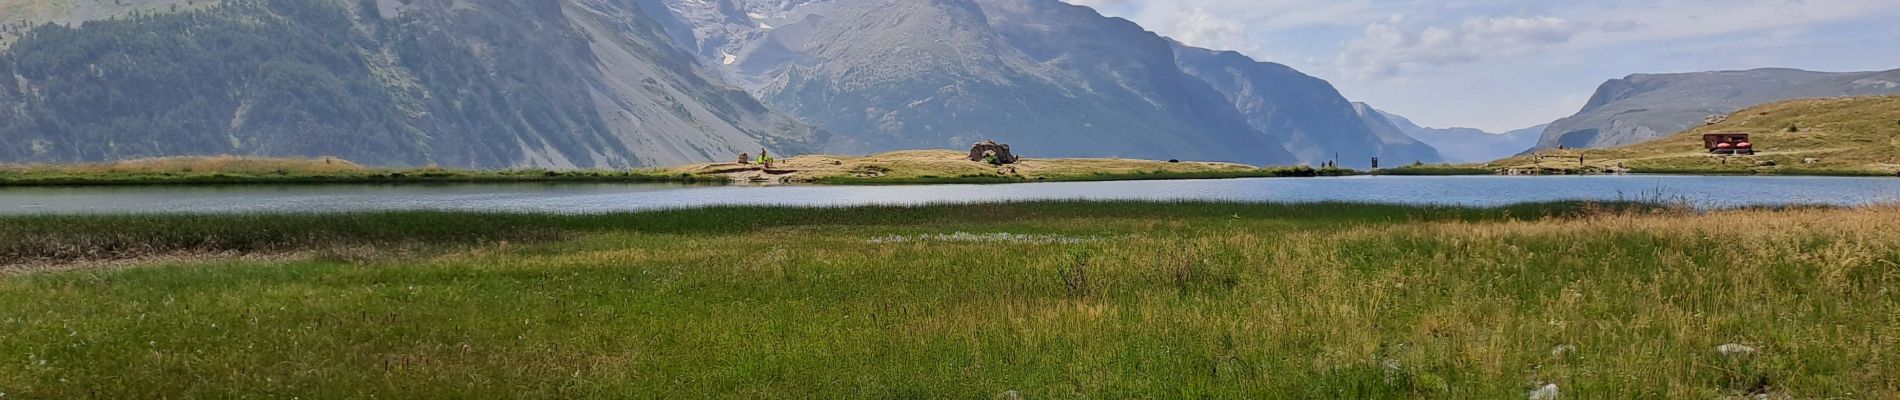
x=1837, y=136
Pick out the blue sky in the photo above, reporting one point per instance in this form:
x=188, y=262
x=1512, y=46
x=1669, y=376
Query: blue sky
x=1508, y=64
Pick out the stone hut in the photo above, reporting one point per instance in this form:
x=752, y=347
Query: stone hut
x=984, y=150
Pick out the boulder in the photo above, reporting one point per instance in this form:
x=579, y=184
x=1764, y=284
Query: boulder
x=981, y=152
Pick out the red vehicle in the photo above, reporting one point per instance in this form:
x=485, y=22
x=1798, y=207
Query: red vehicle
x=1728, y=143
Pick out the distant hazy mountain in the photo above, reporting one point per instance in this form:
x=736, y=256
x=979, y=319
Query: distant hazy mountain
x=468, y=83
x=1468, y=145
x=1642, y=107
x=1054, y=79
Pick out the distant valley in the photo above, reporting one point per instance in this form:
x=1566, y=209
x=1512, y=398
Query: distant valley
x=1462, y=145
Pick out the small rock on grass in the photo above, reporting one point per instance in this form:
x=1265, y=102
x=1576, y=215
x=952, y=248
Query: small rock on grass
x=1734, y=350
x=1548, y=392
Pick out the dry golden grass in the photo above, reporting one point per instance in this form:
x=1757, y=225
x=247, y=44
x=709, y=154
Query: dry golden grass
x=913, y=164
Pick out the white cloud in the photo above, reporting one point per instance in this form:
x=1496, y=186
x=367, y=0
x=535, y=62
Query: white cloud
x=1510, y=60
x=1391, y=47
x=1241, y=25
x=1198, y=26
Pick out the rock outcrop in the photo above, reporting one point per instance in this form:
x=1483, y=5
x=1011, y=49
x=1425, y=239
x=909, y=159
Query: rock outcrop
x=987, y=150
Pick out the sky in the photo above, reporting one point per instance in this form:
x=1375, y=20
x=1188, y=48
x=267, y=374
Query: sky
x=1500, y=65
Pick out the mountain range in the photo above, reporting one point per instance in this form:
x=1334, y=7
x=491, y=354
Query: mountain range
x=632, y=83
x=467, y=83
x=623, y=83
x=1055, y=78
x=1641, y=107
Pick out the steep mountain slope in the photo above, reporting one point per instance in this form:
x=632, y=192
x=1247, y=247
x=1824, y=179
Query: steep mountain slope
x=1317, y=122
x=1468, y=145
x=1642, y=107
x=1054, y=79
x=469, y=83
x=1850, y=135
x=901, y=74
x=19, y=16
x=1408, y=149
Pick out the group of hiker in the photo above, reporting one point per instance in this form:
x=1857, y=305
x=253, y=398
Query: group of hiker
x=765, y=159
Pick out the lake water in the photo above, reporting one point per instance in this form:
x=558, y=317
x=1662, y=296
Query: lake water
x=1705, y=191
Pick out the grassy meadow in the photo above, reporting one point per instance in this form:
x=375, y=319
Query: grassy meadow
x=1036, y=300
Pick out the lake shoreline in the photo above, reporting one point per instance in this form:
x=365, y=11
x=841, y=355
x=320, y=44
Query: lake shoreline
x=588, y=198
x=906, y=168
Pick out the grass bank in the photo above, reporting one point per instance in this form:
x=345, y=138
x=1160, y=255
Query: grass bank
x=242, y=170
x=1049, y=300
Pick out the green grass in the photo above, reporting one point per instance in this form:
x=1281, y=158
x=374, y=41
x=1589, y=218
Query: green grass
x=1105, y=300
